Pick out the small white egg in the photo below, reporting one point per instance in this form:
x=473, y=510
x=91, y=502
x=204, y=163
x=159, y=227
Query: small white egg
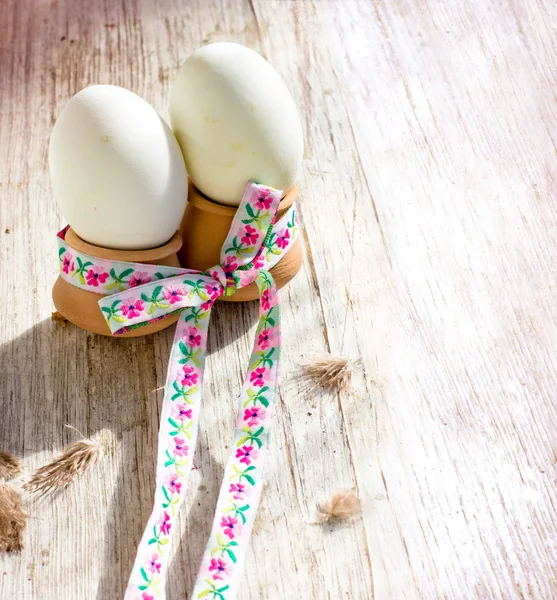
x=235, y=121
x=116, y=169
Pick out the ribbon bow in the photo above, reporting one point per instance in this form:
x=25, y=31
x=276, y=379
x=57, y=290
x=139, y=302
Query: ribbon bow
x=138, y=294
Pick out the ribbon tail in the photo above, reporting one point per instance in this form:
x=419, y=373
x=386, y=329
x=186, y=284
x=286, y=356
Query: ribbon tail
x=140, y=305
x=177, y=440
x=222, y=562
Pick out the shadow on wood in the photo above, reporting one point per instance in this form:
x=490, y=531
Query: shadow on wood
x=54, y=376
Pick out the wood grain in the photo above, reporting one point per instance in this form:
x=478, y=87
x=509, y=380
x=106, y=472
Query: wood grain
x=429, y=188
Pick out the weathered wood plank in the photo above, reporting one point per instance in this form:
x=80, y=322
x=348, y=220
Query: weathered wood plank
x=82, y=544
x=429, y=189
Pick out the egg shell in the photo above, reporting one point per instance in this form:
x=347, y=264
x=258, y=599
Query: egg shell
x=235, y=121
x=117, y=171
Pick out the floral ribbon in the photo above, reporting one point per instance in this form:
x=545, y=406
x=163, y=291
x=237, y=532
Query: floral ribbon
x=137, y=294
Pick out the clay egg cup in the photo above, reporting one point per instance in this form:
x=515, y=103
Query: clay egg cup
x=120, y=180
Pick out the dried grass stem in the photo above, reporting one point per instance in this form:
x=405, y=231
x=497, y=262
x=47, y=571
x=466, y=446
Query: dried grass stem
x=9, y=466
x=329, y=372
x=58, y=474
x=341, y=506
x=12, y=519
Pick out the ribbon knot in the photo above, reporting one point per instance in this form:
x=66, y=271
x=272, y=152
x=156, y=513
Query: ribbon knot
x=225, y=278
x=134, y=294
x=251, y=235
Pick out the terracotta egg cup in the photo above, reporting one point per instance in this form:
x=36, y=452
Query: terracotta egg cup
x=204, y=228
x=81, y=307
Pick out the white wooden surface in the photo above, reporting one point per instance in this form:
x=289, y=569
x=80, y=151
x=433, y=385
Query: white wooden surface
x=430, y=238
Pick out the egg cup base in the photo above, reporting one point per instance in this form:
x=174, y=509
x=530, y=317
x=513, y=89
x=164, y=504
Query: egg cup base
x=81, y=307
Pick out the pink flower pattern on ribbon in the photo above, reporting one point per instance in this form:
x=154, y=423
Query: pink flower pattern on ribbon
x=68, y=265
x=95, y=276
x=132, y=307
x=139, y=278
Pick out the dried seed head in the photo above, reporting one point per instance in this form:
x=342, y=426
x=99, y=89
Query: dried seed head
x=341, y=506
x=332, y=373
x=58, y=318
x=58, y=474
x=9, y=466
x=12, y=519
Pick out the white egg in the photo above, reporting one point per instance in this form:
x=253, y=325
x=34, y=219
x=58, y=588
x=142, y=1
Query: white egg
x=116, y=169
x=235, y=121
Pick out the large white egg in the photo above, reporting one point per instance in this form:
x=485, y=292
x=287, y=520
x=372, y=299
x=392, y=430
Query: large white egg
x=116, y=169
x=235, y=121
